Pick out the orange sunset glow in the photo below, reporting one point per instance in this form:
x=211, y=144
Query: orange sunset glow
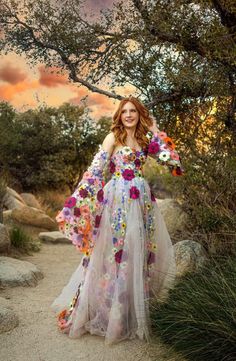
x=24, y=86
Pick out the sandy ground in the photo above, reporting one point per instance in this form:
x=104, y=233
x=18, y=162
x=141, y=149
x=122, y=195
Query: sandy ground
x=37, y=337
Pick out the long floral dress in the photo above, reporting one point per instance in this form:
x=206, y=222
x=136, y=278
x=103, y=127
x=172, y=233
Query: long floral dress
x=127, y=252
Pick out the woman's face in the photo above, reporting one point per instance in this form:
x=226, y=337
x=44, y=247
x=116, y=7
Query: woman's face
x=129, y=115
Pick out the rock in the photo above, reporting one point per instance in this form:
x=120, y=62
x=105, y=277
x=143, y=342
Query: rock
x=54, y=237
x=14, y=272
x=5, y=242
x=35, y=217
x=190, y=256
x=12, y=199
x=8, y=318
x=30, y=200
x=174, y=216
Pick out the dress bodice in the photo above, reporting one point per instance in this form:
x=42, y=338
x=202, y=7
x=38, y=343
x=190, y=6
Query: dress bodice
x=127, y=163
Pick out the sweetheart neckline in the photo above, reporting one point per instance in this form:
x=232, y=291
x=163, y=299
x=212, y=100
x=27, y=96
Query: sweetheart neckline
x=126, y=146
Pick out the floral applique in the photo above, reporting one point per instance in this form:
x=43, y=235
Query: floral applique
x=80, y=217
x=162, y=149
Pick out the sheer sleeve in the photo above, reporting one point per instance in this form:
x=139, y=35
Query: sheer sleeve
x=80, y=217
x=162, y=149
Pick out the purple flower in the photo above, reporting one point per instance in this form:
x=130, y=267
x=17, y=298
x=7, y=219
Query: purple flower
x=153, y=148
x=66, y=211
x=134, y=192
x=100, y=195
x=128, y=174
x=83, y=193
x=70, y=202
x=77, y=212
x=91, y=180
x=151, y=258
x=112, y=167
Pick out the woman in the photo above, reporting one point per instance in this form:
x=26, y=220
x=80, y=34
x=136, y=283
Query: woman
x=128, y=254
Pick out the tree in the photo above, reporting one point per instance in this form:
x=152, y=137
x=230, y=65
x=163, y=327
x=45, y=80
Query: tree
x=171, y=51
x=47, y=147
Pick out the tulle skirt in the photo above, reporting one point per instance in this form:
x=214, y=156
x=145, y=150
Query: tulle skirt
x=133, y=260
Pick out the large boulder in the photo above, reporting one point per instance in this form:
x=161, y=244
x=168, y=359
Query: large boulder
x=34, y=217
x=15, y=272
x=12, y=199
x=8, y=318
x=5, y=241
x=190, y=256
x=53, y=237
x=30, y=200
x=175, y=218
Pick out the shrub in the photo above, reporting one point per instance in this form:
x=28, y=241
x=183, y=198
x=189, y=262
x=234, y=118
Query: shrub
x=199, y=318
x=22, y=241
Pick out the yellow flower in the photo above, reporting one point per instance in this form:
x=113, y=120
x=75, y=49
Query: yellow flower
x=123, y=225
x=117, y=174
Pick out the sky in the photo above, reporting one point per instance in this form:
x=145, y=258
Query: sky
x=26, y=87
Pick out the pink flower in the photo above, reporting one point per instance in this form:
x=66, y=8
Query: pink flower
x=87, y=175
x=70, y=202
x=128, y=174
x=174, y=155
x=83, y=193
x=134, y=192
x=153, y=148
x=100, y=194
x=84, y=210
x=162, y=135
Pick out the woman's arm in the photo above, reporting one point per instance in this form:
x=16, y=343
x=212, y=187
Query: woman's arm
x=109, y=143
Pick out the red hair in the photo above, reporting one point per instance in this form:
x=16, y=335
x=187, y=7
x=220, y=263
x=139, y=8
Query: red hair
x=144, y=123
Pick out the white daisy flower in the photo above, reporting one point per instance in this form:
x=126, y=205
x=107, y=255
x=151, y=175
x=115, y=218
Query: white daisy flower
x=164, y=155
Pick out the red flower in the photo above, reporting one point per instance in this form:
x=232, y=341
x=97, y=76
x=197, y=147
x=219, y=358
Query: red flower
x=137, y=163
x=83, y=193
x=128, y=174
x=100, y=194
x=134, y=192
x=120, y=255
x=97, y=221
x=77, y=212
x=153, y=148
x=177, y=171
x=70, y=202
x=112, y=167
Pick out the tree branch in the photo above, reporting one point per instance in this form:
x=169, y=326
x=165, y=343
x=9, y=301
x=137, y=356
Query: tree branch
x=228, y=18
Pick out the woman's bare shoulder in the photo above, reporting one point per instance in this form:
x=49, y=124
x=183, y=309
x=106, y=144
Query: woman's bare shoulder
x=109, y=143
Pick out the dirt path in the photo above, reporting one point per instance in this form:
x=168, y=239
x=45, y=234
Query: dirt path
x=37, y=337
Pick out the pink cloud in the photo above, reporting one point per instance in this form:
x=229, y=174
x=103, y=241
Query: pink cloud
x=50, y=78
x=12, y=74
